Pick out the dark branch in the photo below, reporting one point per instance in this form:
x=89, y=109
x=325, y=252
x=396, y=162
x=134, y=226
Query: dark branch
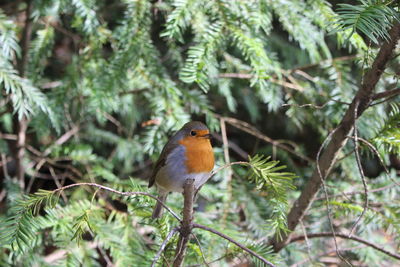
x=20, y=126
x=386, y=94
x=261, y=258
x=346, y=236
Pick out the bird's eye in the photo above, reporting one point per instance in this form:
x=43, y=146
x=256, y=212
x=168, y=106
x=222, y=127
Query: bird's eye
x=192, y=133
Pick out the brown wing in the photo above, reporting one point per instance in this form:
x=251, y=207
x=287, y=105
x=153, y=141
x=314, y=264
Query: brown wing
x=161, y=161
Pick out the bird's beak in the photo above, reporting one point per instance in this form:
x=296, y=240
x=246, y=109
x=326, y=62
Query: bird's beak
x=207, y=136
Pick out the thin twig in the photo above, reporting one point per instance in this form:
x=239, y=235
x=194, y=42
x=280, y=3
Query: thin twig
x=122, y=194
x=64, y=138
x=229, y=169
x=3, y=194
x=201, y=250
x=59, y=254
x=306, y=239
x=301, y=263
x=195, y=225
x=375, y=151
x=163, y=245
x=4, y=163
x=246, y=127
x=361, y=171
x=344, y=58
x=306, y=105
x=346, y=236
x=105, y=257
x=55, y=179
x=359, y=192
x=235, y=148
x=328, y=207
x=213, y=261
x=270, y=79
x=223, y=167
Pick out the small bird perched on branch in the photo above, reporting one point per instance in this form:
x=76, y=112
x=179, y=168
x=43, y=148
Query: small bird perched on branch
x=187, y=155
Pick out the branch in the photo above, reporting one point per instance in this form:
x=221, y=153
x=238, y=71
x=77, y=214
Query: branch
x=346, y=236
x=20, y=126
x=271, y=79
x=234, y=147
x=223, y=167
x=186, y=223
x=302, y=263
x=26, y=39
x=246, y=127
x=261, y=258
x=122, y=194
x=359, y=192
x=339, y=137
x=386, y=94
x=59, y=254
x=229, y=171
x=64, y=138
x=361, y=171
x=163, y=245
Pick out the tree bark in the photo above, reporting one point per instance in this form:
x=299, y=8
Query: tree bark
x=360, y=102
x=187, y=222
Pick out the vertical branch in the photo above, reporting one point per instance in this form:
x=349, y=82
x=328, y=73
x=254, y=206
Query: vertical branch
x=20, y=126
x=229, y=175
x=26, y=39
x=186, y=224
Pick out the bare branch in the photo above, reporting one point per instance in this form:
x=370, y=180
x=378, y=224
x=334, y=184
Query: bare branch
x=8, y=136
x=195, y=225
x=122, y=194
x=163, y=245
x=61, y=253
x=271, y=79
x=229, y=171
x=201, y=250
x=301, y=263
x=328, y=207
x=359, y=192
x=64, y=138
x=244, y=126
x=235, y=148
x=386, y=94
x=346, y=236
x=361, y=171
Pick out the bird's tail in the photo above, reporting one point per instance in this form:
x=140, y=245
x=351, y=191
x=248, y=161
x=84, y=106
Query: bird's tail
x=158, y=209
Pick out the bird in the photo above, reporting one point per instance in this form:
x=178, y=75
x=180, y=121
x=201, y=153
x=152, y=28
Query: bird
x=188, y=154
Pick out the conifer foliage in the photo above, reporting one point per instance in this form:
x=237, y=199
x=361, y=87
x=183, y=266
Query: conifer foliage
x=91, y=91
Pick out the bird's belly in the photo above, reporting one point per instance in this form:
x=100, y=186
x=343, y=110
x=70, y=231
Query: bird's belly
x=172, y=176
x=175, y=183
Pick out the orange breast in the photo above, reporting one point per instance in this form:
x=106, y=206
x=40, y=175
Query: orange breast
x=199, y=154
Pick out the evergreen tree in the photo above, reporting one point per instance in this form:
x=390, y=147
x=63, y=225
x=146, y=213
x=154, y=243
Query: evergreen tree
x=303, y=93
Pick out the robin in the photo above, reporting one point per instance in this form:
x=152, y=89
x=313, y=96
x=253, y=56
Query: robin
x=187, y=155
